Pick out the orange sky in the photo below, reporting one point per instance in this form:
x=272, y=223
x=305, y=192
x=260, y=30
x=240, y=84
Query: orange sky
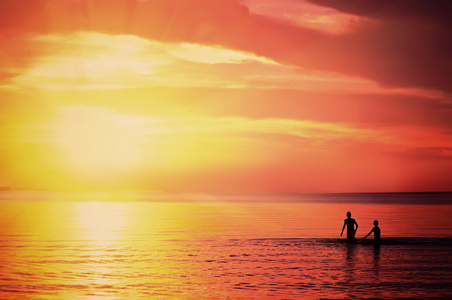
x=226, y=96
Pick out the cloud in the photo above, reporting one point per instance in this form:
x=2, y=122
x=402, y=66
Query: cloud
x=155, y=125
x=406, y=43
x=214, y=54
x=75, y=123
x=393, y=9
x=93, y=61
x=395, y=43
x=303, y=14
x=430, y=153
x=87, y=60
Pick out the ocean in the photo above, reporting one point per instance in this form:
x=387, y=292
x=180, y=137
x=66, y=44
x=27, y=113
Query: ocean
x=124, y=245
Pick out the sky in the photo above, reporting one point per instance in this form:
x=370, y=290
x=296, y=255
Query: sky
x=261, y=96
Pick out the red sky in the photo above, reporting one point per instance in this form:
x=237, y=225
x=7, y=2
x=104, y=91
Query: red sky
x=226, y=96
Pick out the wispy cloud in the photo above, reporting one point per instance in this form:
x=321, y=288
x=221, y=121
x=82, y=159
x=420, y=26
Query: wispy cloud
x=305, y=15
x=148, y=126
x=87, y=60
x=93, y=61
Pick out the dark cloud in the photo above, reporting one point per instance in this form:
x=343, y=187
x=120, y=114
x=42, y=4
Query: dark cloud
x=408, y=44
x=431, y=153
x=414, y=10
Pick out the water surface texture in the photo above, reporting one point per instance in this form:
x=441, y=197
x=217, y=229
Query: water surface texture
x=138, y=246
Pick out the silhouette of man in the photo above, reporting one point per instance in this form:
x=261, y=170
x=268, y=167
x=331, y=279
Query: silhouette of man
x=376, y=230
x=350, y=222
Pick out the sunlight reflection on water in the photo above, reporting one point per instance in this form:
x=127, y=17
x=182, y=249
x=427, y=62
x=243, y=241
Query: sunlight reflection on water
x=101, y=221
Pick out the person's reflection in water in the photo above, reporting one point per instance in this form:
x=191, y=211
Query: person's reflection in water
x=351, y=230
x=349, y=270
x=350, y=255
x=377, y=262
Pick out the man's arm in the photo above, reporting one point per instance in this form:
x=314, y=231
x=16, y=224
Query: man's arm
x=345, y=222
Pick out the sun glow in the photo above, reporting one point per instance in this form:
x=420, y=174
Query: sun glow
x=99, y=142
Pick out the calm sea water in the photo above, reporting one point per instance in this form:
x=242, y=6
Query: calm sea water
x=141, y=246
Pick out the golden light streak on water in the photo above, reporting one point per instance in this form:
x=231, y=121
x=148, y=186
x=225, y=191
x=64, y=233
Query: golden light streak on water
x=101, y=222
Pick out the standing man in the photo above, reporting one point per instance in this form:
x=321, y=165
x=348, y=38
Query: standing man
x=351, y=230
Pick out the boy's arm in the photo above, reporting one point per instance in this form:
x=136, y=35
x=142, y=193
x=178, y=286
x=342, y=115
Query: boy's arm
x=368, y=233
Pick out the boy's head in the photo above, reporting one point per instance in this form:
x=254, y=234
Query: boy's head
x=349, y=214
x=376, y=222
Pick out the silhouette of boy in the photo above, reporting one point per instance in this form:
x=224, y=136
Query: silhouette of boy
x=376, y=230
x=350, y=222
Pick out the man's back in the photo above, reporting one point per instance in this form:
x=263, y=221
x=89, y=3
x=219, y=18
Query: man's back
x=350, y=224
x=350, y=228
